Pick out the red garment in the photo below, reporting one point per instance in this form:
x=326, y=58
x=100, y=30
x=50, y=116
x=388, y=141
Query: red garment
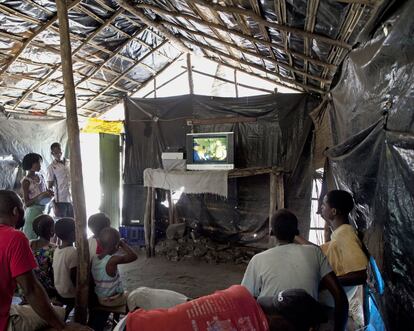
x=98, y=248
x=16, y=258
x=230, y=309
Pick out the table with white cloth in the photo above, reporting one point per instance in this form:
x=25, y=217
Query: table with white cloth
x=201, y=182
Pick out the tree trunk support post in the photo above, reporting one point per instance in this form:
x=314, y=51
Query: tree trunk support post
x=277, y=197
x=190, y=74
x=82, y=288
x=147, y=222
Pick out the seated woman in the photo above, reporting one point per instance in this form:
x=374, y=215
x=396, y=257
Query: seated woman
x=43, y=251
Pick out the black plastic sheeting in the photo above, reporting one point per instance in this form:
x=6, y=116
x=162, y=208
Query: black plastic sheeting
x=19, y=137
x=372, y=124
x=281, y=136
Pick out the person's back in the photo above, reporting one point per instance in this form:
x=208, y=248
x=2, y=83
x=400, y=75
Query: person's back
x=291, y=266
x=65, y=259
x=286, y=267
x=108, y=285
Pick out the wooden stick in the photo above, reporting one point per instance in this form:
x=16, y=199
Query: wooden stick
x=78, y=193
x=170, y=207
x=147, y=222
x=273, y=199
x=280, y=188
x=190, y=74
x=152, y=242
x=261, y=20
x=235, y=83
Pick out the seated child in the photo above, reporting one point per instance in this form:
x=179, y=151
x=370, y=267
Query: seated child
x=96, y=223
x=65, y=262
x=108, y=285
x=43, y=250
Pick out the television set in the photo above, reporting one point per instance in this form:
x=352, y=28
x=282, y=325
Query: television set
x=210, y=151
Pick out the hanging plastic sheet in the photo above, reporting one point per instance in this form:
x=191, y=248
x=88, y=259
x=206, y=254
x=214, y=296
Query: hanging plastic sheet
x=19, y=137
x=281, y=136
x=372, y=127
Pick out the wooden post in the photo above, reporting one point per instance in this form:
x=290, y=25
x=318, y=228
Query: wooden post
x=82, y=288
x=155, y=87
x=152, y=239
x=235, y=83
x=280, y=191
x=171, y=219
x=147, y=217
x=273, y=200
x=190, y=73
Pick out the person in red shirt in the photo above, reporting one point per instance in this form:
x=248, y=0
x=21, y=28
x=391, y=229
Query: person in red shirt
x=16, y=266
x=230, y=309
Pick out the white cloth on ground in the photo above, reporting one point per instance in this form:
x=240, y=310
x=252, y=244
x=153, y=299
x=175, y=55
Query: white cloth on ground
x=150, y=298
x=191, y=182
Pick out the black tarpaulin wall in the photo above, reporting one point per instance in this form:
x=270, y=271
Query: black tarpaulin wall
x=19, y=137
x=372, y=124
x=281, y=136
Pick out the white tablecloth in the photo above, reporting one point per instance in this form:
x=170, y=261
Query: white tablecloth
x=193, y=182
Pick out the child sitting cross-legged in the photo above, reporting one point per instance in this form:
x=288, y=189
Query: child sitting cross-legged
x=65, y=262
x=108, y=285
x=96, y=223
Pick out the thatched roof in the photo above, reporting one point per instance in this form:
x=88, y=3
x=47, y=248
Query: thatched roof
x=119, y=45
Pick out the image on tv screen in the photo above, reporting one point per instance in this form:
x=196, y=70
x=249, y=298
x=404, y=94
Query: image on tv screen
x=212, y=149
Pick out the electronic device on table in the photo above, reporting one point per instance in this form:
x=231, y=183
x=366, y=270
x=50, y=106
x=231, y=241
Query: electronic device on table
x=210, y=151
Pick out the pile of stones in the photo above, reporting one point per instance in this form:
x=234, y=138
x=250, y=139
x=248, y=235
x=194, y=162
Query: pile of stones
x=182, y=245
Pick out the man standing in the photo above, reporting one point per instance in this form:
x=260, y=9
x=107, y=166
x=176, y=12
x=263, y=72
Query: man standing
x=16, y=266
x=291, y=266
x=58, y=178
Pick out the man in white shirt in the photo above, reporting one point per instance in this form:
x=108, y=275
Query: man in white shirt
x=58, y=178
x=292, y=266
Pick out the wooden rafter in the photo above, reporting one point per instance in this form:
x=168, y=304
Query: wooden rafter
x=354, y=14
x=130, y=6
x=75, y=51
x=27, y=42
x=253, y=65
x=120, y=47
x=310, y=21
x=260, y=20
x=280, y=10
x=116, y=80
x=257, y=9
x=203, y=16
x=243, y=50
x=244, y=36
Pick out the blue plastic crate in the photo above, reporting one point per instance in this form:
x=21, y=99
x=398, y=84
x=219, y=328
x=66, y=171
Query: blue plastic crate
x=134, y=235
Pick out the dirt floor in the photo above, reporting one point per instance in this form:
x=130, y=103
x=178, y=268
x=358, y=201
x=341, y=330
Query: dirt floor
x=192, y=278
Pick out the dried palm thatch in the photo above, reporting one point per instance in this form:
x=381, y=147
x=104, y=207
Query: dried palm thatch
x=120, y=45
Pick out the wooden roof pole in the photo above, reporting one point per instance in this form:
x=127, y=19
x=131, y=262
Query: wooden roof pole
x=75, y=165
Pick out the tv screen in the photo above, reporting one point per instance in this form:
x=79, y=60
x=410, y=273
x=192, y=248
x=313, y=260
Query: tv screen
x=212, y=149
x=206, y=151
